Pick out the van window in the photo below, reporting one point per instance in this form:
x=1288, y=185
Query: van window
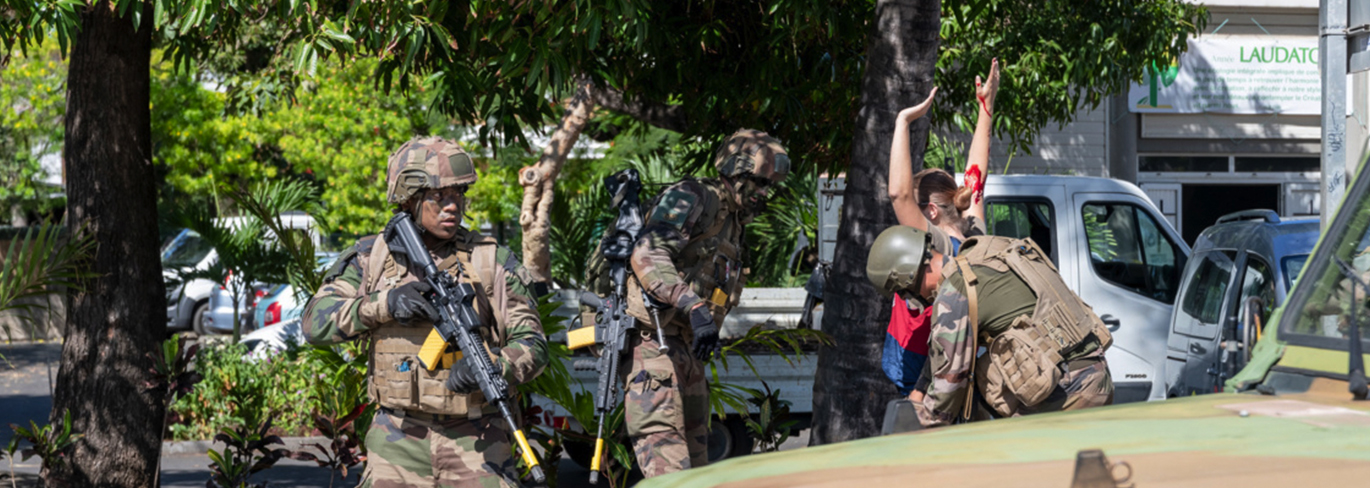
x=1257, y=282
x=1019, y=219
x=1203, y=298
x=1129, y=249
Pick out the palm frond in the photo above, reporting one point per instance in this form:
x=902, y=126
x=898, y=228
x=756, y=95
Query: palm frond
x=792, y=212
x=37, y=262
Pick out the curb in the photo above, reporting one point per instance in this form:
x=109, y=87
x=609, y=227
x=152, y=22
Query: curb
x=199, y=448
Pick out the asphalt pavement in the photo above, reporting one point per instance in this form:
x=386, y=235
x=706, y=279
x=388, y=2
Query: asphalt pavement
x=28, y=371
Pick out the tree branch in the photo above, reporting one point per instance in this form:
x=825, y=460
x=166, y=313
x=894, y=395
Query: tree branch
x=669, y=117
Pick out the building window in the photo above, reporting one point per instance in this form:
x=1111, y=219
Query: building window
x=1278, y=164
x=1182, y=164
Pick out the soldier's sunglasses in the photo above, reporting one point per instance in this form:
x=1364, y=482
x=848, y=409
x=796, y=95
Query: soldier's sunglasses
x=447, y=194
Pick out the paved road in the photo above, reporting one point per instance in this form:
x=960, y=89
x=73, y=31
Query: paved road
x=25, y=393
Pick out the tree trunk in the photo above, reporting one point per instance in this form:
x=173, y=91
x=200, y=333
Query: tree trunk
x=120, y=318
x=850, y=390
x=539, y=181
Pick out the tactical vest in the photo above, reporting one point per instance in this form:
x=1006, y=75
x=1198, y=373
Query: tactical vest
x=395, y=378
x=1024, y=364
x=711, y=263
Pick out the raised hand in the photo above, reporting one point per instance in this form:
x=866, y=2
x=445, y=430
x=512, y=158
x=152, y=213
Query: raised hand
x=917, y=111
x=986, y=90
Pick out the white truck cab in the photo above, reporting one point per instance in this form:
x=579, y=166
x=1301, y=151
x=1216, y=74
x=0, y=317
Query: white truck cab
x=1113, y=248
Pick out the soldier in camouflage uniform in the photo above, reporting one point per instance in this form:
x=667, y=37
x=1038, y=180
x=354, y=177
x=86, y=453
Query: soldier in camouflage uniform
x=1044, y=347
x=433, y=427
x=688, y=260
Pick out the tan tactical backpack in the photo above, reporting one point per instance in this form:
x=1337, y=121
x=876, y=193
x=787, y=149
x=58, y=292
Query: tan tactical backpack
x=1023, y=365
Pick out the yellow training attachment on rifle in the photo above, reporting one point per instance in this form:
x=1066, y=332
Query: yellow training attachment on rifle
x=434, y=355
x=599, y=454
x=582, y=337
x=526, y=451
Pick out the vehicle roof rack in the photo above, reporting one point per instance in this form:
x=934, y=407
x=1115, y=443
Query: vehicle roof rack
x=1267, y=215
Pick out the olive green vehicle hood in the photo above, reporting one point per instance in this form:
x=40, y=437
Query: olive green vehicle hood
x=1294, y=440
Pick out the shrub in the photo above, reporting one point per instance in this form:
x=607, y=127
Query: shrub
x=238, y=392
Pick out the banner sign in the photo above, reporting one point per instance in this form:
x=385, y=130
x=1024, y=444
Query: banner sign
x=1256, y=75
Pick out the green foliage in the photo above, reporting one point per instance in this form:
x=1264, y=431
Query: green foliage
x=789, y=344
x=267, y=203
x=496, y=197
x=256, y=247
x=171, y=373
x=791, y=214
x=30, y=126
x=1103, y=244
x=238, y=391
x=344, y=411
x=247, y=451
x=337, y=132
x=204, y=153
x=1056, y=57
x=340, y=132
x=37, y=262
x=50, y=443
x=772, y=426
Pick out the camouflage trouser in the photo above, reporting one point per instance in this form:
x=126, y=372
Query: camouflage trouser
x=421, y=450
x=1086, y=385
x=666, y=405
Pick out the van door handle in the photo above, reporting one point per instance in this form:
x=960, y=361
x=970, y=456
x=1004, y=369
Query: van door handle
x=1112, y=322
x=1195, y=348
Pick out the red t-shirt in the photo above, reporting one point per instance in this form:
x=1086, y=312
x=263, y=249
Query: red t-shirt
x=910, y=331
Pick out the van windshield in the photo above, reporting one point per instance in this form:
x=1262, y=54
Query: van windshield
x=187, y=250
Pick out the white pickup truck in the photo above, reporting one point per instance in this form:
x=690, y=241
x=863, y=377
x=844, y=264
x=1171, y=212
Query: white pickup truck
x=1109, y=241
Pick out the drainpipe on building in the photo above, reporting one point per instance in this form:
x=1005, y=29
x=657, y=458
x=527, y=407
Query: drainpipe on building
x=1332, y=61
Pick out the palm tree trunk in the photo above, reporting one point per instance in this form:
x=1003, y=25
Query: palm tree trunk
x=850, y=391
x=539, y=180
x=120, y=318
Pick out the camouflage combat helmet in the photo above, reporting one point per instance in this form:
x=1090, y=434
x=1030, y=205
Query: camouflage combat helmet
x=896, y=259
x=754, y=152
x=426, y=163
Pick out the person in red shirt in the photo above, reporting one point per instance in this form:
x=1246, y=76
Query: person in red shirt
x=930, y=201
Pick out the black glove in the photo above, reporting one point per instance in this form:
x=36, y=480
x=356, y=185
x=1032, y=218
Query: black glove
x=462, y=378
x=408, y=306
x=706, y=333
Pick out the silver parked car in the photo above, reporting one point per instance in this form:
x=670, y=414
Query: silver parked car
x=188, y=303
x=1242, y=269
x=219, y=319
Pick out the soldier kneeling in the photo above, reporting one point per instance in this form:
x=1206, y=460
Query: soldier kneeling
x=1043, y=346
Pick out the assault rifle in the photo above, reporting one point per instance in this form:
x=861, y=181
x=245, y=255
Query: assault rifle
x=456, y=327
x=613, y=324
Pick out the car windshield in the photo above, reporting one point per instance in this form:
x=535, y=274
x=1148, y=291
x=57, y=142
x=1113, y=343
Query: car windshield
x=185, y=251
x=1321, y=310
x=1292, y=266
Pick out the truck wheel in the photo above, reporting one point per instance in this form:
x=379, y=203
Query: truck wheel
x=197, y=319
x=729, y=438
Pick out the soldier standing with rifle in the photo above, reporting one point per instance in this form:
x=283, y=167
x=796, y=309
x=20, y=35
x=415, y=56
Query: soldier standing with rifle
x=687, y=273
x=437, y=424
